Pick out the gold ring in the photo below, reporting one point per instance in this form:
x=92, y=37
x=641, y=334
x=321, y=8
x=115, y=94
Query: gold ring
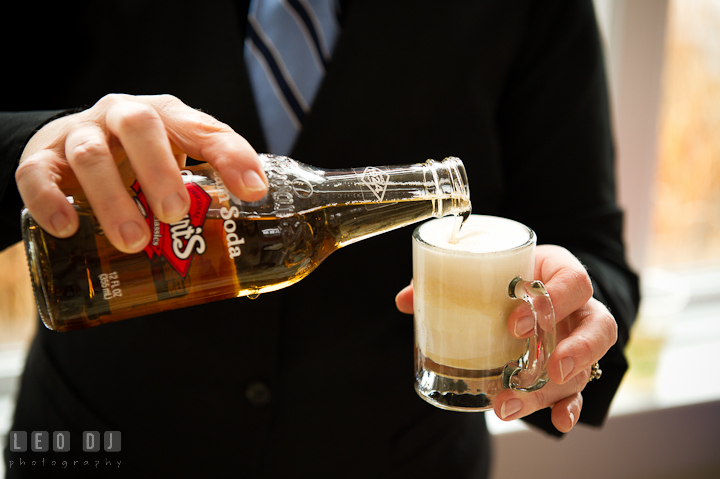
x=595, y=372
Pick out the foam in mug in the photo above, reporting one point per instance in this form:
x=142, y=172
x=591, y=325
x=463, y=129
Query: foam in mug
x=461, y=290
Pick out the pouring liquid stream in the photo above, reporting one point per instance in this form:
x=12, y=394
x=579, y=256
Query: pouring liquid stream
x=460, y=220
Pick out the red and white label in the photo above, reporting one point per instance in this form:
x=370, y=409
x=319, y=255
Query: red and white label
x=178, y=242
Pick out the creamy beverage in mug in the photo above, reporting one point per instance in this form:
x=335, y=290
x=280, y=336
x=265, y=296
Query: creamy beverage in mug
x=462, y=304
x=461, y=290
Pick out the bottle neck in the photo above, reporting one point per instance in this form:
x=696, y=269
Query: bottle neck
x=450, y=186
x=375, y=200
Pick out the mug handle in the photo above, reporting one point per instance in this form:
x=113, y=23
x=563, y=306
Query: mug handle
x=529, y=373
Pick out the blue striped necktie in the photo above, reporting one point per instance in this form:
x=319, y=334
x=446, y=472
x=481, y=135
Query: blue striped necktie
x=287, y=48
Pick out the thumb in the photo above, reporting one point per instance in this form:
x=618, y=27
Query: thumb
x=404, y=299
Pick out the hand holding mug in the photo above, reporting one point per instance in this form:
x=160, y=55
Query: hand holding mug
x=585, y=331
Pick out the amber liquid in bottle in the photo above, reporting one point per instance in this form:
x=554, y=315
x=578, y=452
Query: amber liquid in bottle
x=227, y=248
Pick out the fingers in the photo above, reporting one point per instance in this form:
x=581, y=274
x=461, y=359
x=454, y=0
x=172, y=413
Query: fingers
x=566, y=412
x=565, y=278
x=404, y=299
x=564, y=399
x=88, y=154
x=566, y=281
x=155, y=133
x=141, y=132
x=594, y=332
x=37, y=182
x=204, y=138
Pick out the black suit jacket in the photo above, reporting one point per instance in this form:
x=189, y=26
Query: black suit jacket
x=318, y=377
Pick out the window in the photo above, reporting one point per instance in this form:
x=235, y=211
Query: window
x=685, y=226
x=674, y=235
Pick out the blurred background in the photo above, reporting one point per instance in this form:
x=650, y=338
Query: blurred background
x=663, y=59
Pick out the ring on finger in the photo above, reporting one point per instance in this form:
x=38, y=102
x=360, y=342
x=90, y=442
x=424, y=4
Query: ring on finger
x=595, y=372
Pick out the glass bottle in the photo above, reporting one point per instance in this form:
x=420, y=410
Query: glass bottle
x=225, y=247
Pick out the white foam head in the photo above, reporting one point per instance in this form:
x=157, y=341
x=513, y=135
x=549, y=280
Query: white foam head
x=479, y=234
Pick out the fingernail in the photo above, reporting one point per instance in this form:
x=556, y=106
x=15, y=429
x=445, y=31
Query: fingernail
x=510, y=407
x=174, y=207
x=524, y=325
x=572, y=419
x=252, y=181
x=566, y=367
x=132, y=235
x=60, y=223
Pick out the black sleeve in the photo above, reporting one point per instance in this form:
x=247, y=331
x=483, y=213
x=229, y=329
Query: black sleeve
x=557, y=146
x=16, y=128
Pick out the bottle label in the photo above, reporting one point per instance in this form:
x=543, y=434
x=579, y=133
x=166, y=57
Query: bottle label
x=178, y=242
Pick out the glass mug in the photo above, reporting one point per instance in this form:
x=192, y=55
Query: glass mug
x=464, y=293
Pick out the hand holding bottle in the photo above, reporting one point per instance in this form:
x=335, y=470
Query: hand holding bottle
x=152, y=135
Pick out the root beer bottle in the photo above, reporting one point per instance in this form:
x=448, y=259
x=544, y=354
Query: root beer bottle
x=225, y=247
